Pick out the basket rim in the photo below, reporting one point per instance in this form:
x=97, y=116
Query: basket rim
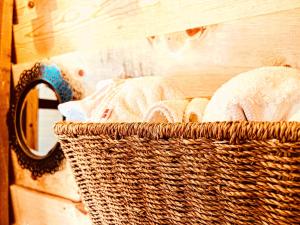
x=233, y=131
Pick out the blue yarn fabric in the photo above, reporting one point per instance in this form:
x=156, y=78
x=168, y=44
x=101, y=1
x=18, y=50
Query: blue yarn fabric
x=52, y=74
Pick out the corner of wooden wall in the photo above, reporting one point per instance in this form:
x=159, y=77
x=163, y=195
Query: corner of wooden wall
x=6, y=11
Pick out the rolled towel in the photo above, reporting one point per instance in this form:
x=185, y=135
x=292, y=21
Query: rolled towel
x=81, y=110
x=121, y=100
x=133, y=98
x=167, y=111
x=195, y=110
x=263, y=94
x=171, y=111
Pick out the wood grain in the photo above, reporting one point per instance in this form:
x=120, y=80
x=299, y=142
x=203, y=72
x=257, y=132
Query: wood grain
x=267, y=40
x=61, y=183
x=31, y=120
x=228, y=48
x=222, y=50
x=249, y=43
x=35, y=208
x=6, y=9
x=57, y=27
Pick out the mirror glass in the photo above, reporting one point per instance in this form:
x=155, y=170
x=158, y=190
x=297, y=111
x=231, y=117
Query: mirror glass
x=38, y=115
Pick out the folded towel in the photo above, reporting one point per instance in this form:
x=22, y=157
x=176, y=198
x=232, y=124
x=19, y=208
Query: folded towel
x=121, y=100
x=195, y=110
x=172, y=111
x=81, y=110
x=264, y=94
x=168, y=111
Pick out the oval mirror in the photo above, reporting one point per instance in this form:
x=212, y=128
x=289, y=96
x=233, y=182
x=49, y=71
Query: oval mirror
x=33, y=114
x=38, y=114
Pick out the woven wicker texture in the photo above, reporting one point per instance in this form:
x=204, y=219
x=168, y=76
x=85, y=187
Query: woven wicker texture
x=196, y=173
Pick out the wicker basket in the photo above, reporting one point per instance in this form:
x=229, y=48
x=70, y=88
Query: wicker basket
x=197, y=173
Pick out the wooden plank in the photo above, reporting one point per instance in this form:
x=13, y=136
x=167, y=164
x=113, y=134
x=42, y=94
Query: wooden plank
x=61, y=183
x=6, y=9
x=35, y=208
x=31, y=120
x=224, y=49
x=267, y=40
x=52, y=30
x=215, y=55
x=27, y=11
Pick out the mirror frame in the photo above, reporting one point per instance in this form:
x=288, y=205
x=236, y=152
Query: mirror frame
x=52, y=76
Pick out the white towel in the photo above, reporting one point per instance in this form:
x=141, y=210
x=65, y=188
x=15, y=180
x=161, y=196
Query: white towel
x=121, y=100
x=81, y=110
x=264, y=94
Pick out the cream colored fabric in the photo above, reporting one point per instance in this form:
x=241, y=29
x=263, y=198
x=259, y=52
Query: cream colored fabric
x=195, y=110
x=172, y=111
x=263, y=94
x=121, y=100
x=167, y=111
x=82, y=110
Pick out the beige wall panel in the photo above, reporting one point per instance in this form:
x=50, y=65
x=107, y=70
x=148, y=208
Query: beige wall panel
x=35, y=208
x=215, y=53
x=61, y=183
x=56, y=27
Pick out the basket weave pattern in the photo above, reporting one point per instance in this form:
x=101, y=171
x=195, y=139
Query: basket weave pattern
x=196, y=173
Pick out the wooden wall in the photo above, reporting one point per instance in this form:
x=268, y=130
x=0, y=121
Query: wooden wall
x=55, y=27
x=36, y=208
x=214, y=40
x=5, y=69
